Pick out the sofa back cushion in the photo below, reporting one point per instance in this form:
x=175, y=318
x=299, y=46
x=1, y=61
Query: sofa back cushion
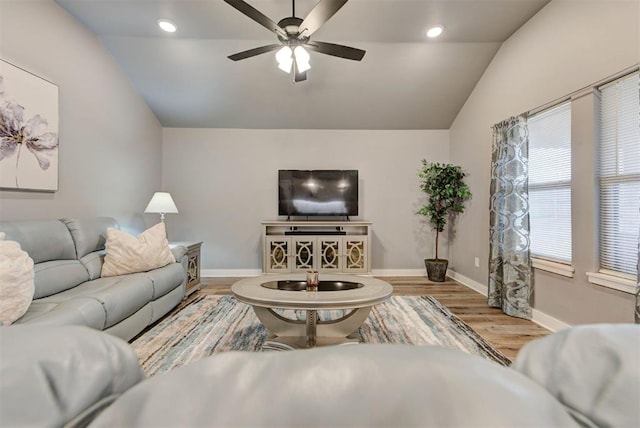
x=49, y=244
x=44, y=240
x=89, y=234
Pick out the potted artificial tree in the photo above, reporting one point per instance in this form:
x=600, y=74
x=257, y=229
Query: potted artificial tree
x=447, y=193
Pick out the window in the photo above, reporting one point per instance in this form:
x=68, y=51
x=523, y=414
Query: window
x=619, y=174
x=550, y=183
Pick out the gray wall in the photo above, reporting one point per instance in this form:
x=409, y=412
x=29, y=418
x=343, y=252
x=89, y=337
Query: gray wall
x=110, y=143
x=567, y=46
x=224, y=182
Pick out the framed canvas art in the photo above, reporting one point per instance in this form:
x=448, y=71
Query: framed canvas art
x=28, y=130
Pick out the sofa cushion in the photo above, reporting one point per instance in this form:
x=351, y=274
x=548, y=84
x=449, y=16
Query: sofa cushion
x=165, y=279
x=16, y=281
x=93, y=263
x=348, y=386
x=58, y=275
x=120, y=296
x=594, y=370
x=89, y=234
x=44, y=240
x=124, y=298
x=61, y=376
x=85, y=311
x=126, y=253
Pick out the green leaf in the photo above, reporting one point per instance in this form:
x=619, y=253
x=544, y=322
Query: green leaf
x=446, y=189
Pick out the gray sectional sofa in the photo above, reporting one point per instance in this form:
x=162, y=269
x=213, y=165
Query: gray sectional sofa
x=586, y=376
x=68, y=256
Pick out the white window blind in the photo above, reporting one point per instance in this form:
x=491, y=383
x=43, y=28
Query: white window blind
x=619, y=174
x=550, y=183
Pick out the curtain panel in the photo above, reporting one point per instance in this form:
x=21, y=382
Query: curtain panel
x=510, y=275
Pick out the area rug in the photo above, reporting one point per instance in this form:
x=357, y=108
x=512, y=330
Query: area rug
x=213, y=324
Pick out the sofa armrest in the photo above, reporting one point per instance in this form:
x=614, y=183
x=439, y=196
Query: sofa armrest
x=338, y=386
x=179, y=252
x=593, y=370
x=55, y=376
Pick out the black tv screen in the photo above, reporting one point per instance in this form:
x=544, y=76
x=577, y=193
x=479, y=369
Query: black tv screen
x=318, y=192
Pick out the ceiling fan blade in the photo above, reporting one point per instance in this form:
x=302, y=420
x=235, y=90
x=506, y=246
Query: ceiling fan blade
x=340, y=51
x=257, y=16
x=299, y=77
x=320, y=14
x=253, y=52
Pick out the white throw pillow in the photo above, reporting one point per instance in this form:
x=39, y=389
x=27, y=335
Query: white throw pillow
x=16, y=281
x=129, y=254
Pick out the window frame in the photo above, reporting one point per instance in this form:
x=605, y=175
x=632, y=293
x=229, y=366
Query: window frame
x=603, y=276
x=544, y=262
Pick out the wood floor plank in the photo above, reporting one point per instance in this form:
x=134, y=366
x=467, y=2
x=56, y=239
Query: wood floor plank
x=507, y=334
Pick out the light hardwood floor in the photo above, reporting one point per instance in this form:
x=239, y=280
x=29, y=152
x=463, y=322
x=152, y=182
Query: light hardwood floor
x=505, y=333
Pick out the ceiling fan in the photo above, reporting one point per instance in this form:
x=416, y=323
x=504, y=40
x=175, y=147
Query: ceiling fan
x=295, y=34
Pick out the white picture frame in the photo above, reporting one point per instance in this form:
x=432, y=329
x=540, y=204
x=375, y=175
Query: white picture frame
x=29, y=123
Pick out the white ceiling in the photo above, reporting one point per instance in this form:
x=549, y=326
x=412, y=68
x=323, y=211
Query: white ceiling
x=405, y=81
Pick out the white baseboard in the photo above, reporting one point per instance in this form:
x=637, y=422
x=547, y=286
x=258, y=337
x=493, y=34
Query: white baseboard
x=548, y=322
x=217, y=273
x=538, y=317
x=474, y=285
x=398, y=272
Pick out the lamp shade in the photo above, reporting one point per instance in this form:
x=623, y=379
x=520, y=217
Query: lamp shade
x=161, y=202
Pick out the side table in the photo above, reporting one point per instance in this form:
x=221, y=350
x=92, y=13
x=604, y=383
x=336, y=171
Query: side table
x=193, y=264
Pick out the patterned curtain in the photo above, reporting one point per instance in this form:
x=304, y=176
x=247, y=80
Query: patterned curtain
x=509, y=259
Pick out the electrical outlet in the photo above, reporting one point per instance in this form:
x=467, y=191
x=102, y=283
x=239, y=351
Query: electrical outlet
x=477, y=262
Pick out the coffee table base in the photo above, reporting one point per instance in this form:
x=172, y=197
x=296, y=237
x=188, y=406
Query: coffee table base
x=296, y=334
x=284, y=343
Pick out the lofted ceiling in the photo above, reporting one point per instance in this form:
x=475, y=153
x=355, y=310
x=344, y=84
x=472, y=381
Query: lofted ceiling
x=405, y=80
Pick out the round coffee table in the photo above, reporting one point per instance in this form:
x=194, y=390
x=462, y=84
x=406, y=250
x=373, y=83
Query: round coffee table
x=268, y=292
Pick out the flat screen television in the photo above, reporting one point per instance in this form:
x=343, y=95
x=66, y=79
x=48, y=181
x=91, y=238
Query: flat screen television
x=318, y=192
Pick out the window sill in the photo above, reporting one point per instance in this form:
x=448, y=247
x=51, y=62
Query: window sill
x=626, y=284
x=553, y=267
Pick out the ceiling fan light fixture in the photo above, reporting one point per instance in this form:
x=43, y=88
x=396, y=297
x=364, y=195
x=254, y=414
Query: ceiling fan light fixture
x=293, y=33
x=435, y=31
x=285, y=59
x=167, y=25
x=302, y=59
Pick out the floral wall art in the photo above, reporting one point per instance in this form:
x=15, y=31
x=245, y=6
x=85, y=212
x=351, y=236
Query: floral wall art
x=28, y=130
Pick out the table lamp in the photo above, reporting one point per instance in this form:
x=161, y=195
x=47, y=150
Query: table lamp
x=162, y=203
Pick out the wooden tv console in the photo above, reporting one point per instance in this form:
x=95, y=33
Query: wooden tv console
x=325, y=246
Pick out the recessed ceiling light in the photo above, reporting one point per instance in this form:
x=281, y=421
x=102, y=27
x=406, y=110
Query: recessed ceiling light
x=167, y=25
x=435, y=31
